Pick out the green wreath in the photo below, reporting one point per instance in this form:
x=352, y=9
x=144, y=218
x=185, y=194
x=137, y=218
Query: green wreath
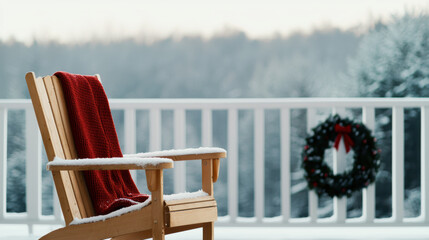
x=357, y=137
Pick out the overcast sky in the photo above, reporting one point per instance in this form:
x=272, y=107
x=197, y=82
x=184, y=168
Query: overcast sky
x=82, y=20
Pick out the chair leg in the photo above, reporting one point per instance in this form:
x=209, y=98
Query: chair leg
x=208, y=231
x=207, y=184
x=155, y=184
x=158, y=234
x=158, y=230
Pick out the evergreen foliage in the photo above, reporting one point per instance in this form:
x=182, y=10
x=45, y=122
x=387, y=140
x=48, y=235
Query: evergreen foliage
x=392, y=61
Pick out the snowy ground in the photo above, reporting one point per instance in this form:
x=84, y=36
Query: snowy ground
x=20, y=232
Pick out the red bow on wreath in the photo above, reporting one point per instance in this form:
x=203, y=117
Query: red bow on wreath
x=343, y=132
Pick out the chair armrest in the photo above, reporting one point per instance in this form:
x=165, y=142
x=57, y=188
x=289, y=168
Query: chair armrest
x=125, y=163
x=184, y=154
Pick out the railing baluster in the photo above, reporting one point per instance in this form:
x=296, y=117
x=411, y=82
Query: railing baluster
x=3, y=160
x=340, y=204
x=179, y=143
x=207, y=128
x=155, y=130
x=33, y=164
x=397, y=163
x=285, y=163
x=312, y=196
x=368, y=194
x=233, y=170
x=259, y=148
x=425, y=163
x=130, y=135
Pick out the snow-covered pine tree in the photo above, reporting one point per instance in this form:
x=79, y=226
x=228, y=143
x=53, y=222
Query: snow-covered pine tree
x=393, y=61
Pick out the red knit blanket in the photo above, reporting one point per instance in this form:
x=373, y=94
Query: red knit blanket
x=95, y=137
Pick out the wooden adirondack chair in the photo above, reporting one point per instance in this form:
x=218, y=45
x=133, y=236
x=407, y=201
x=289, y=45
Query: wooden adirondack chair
x=155, y=220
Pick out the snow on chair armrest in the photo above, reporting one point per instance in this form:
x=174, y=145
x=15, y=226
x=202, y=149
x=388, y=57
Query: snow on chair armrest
x=116, y=163
x=184, y=154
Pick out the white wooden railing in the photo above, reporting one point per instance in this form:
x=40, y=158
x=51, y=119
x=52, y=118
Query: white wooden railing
x=232, y=106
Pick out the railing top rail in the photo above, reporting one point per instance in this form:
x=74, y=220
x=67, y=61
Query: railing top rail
x=15, y=103
x=226, y=103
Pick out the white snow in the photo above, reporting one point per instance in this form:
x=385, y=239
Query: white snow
x=119, y=212
x=185, y=195
x=179, y=152
x=228, y=232
x=109, y=161
x=116, y=213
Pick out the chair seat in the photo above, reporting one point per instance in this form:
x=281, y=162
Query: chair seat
x=176, y=203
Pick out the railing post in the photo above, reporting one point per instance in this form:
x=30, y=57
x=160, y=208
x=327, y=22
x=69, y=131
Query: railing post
x=233, y=170
x=340, y=204
x=3, y=160
x=259, y=148
x=285, y=163
x=33, y=170
x=312, y=196
x=130, y=135
x=368, y=194
x=425, y=163
x=397, y=164
x=179, y=143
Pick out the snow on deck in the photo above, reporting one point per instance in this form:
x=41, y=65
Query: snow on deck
x=19, y=232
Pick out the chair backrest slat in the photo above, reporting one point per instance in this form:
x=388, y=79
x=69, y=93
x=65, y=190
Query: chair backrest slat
x=82, y=195
x=54, y=102
x=51, y=112
x=59, y=109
